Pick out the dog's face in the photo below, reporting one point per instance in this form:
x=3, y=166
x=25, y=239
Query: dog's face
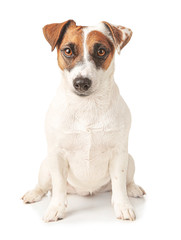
x=85, y=54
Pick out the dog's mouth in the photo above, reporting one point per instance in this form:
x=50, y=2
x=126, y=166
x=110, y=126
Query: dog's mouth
x=82, y=94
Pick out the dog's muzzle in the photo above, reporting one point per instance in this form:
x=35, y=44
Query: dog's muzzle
x=81, y=85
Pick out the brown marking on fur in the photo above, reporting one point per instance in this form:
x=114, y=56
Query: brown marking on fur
x=117, y=34
x=96, y=37
x=128, y=37
x=73, y=37
x=54, y=32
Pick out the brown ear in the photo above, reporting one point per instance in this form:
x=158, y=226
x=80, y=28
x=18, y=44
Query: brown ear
x=120, y=35
x=54, y=32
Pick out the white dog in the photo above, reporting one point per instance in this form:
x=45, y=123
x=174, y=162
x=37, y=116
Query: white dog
x=88, y=122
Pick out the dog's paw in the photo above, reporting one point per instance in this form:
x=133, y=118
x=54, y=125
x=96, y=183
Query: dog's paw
x=134, y=190
x=32, y=196
x=124, y=212
x=54, y=213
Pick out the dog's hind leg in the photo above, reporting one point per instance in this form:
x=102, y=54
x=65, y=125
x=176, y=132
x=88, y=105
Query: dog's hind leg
x=43, y=186
x=133, y=190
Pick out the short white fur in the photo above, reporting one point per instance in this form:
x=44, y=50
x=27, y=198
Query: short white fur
x=87, y=141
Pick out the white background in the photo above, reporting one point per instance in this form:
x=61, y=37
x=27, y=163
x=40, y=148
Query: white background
x=149, y=78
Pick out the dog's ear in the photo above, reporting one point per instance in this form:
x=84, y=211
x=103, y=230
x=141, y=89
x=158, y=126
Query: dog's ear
x=120, y=35
x=54, y=32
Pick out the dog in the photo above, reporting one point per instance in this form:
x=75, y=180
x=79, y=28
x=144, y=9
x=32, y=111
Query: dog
x=88, y=122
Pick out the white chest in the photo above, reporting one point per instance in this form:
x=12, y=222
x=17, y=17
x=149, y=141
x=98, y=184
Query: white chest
x=86, y=140
x=89, y=138
x=88, y=148
x=88, y=154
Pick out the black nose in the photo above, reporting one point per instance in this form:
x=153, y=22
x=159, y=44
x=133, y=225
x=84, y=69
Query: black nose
x=82, y=84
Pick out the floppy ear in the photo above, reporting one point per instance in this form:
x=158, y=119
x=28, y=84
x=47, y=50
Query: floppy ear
x=54, y=32
x=120, y=35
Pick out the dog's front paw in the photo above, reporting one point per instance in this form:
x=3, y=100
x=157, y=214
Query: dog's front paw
x=124, y=212
x=54, y=213
x=32, y=196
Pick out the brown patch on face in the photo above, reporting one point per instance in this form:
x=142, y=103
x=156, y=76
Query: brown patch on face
x=73, y=41
x=97, y=43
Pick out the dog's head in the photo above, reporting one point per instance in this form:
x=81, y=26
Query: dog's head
x=86, y=54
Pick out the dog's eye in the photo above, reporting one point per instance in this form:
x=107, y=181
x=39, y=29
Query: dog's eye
x=101, y=52
x=68, y=52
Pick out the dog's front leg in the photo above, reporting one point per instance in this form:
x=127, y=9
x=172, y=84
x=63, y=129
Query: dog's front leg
x=118, y=171
x=58, y=168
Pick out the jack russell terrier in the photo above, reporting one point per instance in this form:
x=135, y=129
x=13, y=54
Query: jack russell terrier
x=88, y=122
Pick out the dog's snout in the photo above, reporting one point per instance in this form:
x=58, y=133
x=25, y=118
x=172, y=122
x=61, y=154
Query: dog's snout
x=82, y=84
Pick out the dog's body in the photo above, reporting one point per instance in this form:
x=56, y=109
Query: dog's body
x=88, y=122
